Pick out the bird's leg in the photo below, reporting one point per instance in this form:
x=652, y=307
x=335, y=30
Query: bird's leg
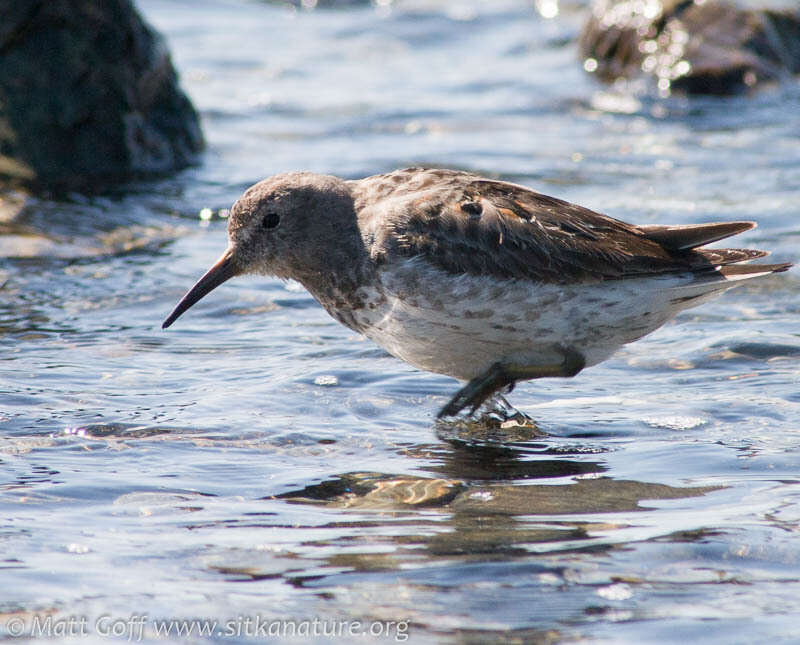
x=477, y=390
x=505, y=375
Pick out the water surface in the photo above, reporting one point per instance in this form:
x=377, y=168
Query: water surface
x=258, y=459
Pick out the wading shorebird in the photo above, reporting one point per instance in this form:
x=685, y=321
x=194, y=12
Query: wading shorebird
x=482, y=280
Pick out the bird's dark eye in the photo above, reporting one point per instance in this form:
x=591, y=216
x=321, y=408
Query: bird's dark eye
x=270, y=220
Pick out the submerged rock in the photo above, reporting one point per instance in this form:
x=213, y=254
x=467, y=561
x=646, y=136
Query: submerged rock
x=88, y=97
x=694, y=46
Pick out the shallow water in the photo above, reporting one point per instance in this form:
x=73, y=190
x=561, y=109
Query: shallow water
x=258, y=460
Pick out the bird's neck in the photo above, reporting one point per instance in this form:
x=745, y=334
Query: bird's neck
x=335, y=277
x=336, y=262
x=338, y=290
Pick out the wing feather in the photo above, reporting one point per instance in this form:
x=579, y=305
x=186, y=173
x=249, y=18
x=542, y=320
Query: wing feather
x=691, y=236
x=463, y=223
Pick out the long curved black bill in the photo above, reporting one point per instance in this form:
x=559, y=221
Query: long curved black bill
x=223, y=270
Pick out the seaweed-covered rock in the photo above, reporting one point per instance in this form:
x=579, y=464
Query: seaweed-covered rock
x=695, y=46
x=88, y=97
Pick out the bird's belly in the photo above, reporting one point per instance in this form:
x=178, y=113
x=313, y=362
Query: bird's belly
x=461, y=325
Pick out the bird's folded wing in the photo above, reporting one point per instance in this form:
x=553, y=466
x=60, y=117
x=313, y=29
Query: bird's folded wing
x=487, y=227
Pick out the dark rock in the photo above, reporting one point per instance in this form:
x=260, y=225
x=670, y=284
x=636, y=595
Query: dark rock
x=88, y=97
x=694, y=46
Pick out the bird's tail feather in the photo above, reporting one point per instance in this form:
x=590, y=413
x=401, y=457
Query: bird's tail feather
x=692, y=236
x=745, y=271
x=709, y=284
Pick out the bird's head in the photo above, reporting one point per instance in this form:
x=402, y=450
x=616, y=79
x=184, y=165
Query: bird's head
x=280, y=226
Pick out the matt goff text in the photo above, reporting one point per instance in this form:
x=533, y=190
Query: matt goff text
x=135, y=627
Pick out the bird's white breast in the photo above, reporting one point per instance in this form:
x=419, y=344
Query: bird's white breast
x=460, y=325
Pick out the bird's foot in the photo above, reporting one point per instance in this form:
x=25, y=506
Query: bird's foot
x=495, y=420
x=501, y=414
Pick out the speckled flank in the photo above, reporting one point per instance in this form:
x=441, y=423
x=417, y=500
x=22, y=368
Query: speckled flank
x=460, y=325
